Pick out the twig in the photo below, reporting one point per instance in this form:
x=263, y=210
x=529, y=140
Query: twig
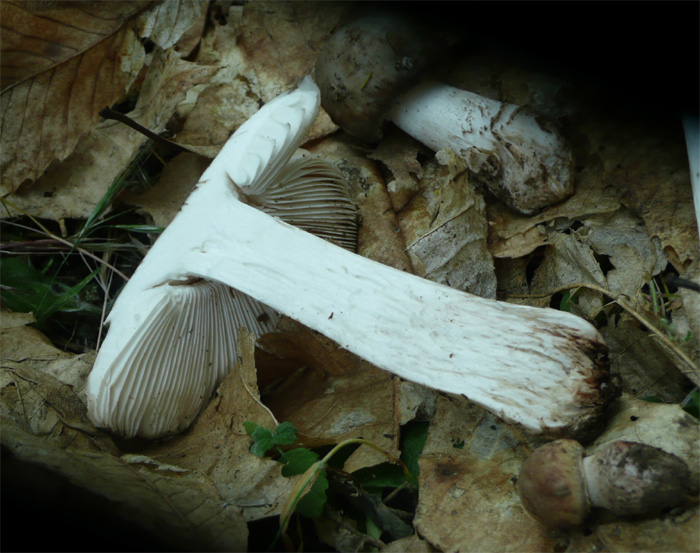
x=109, y=113
x=691, y=372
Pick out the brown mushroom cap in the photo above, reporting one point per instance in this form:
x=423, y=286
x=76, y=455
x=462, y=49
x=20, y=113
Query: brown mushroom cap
x=552, y=487
x=365, y=66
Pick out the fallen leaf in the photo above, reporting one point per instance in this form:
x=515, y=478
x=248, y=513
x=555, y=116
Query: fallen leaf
x=163, y=200
x=20, y=342
x=514, y=235
x=399, y=153
x=182, y=508
x=679, y=533
x=262, y=49
x=648, y=165
x=332, y=408
x=82, y=57
x=644, y=366
x=444, y=227
x=40, y=35
x=74, y=187
x=46, y=407
x=166, y=22
x=611, y=251
x=467, y=499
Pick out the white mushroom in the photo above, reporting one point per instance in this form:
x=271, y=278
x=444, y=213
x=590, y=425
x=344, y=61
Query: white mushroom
x=543, y=369
x=373, y=69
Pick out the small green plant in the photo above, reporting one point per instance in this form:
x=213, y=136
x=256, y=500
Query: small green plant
x=660, y=298
x=309, y=496
x=691, y=403
x=62, y=273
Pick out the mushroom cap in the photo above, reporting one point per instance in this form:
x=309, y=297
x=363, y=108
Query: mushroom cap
x=367, y=64
x=552, y=487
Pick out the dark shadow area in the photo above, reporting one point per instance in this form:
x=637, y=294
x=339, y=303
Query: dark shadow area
x=42, y=511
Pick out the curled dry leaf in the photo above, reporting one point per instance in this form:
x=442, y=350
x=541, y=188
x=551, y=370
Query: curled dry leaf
x=611, y=251
x=513, y=235
x=261, y=49
x=166, y=22
x=399, y=153
x=72, y=61
x=445, y=228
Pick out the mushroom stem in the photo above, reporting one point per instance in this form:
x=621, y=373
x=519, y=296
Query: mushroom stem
x=630, y=478
x=543, y=369
x=540, y=368
x=521, y=157
x=375, y=68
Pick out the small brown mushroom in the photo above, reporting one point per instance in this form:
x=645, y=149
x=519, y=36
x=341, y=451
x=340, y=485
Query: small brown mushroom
x=558, y=484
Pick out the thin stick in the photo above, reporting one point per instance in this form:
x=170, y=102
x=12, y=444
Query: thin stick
x=691, y=372
x=109, y=113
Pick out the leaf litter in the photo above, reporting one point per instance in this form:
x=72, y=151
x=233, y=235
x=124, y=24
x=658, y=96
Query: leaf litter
x=629, y=222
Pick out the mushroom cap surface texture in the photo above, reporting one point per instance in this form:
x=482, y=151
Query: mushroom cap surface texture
x=365, y=66
x=552, y=487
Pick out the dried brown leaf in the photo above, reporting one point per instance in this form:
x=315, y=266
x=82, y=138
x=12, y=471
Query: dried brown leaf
x=629, y=256
x=678, y=533
x=262, y=49
x=39, y=36
x=648, y=165
x=182, y=507
x=645, y=367
x=163, y=200
x=58, y=100
x=445, y=228
x=468, y=500
x=166, y=22
x=74, y=187
x=400, y=155
x=332, y=408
